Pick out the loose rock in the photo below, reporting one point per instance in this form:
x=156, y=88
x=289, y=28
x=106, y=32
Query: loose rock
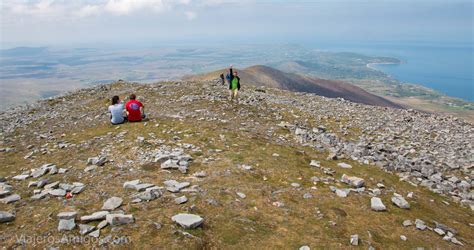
x=188, y=221
x=112, y=203
x=376, y=204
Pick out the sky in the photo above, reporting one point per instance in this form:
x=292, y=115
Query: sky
x=149, y=22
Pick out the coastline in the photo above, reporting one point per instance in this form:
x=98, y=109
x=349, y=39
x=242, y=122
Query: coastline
x=370, y=65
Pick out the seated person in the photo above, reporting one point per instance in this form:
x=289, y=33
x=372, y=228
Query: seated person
x=117, y=111
x=135, y=109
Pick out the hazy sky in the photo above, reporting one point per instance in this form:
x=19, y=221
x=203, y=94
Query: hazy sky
x=148, y=22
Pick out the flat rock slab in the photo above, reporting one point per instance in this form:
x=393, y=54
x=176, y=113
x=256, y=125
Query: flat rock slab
x=354, y=240
x=52, y=185
x=342, y=192
x=315, y=163
x=344, y=165
x=85, y=229
x=39, y=172
x=170, y=164
x=40, y=195
x=66, y=225
x=95, y=233
x=137, y=185
x=102, y=224
x=57, y=192
x=67, y=215
x=6, y=217
x=10, y=199
x=181, y=200
x=174, y=186
x=241, y=195
x=407, y=223
x=376, y=204
x=78, y=189
x=95, y=216
x=119, y=219
x=188, y=221
x=400, y=202
x=4, y=193
x=131, y=184
x=353, y=181
x=143, y=186
x=21, y=177
x=112, y=203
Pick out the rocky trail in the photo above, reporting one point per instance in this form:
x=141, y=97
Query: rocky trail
x=277, y=170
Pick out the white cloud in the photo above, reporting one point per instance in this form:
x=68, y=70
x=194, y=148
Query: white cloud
x=88, y=10
x=39, y=8
x=128, y=6
x=85, y=8
x=190, y=15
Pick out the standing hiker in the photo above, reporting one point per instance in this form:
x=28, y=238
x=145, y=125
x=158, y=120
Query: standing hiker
x=222, y=78
x=234, y=84
x=228, y=76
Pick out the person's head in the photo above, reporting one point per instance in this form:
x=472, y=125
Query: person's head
x=115, y=100
x=133, y=97
x=235, y=73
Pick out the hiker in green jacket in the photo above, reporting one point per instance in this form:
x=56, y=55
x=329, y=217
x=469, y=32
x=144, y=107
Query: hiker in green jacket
x=234, y=84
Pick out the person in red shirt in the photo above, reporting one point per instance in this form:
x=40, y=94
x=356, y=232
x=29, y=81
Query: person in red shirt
x=135, y=109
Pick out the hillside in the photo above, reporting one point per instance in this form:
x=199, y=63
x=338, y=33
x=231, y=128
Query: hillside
x=266, y=76
x=278, y=170
x=357, y=70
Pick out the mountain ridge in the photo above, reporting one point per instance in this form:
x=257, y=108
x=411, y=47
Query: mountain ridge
x=260, y=75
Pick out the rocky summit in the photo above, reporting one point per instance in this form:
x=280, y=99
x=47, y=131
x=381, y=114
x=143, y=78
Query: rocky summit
x=275, y=169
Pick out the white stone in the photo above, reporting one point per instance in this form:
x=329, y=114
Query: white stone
x=119, y=219
x=57, y=192
x=112, y=203
x=21, y=177
x=95, y=216
x=315, y=163
x=10, y=199
x=181, y=200
x=6, y=217
x=342, y=192
x=95, y=233
x=376, y=204
x=353, y=181
x=344, y=165
x=85, y=229
x=66, y=225
x=188, y=221
x=400, y=202
x=67, y=215
x=354, y=240
x=241, y=195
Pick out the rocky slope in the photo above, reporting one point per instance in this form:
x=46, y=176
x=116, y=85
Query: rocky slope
x=277, y=170
x=260, y=75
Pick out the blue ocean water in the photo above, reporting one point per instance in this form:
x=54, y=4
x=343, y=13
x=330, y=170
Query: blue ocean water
x=447, y=68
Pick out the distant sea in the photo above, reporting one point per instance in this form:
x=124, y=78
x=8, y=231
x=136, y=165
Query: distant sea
x=447, y=68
